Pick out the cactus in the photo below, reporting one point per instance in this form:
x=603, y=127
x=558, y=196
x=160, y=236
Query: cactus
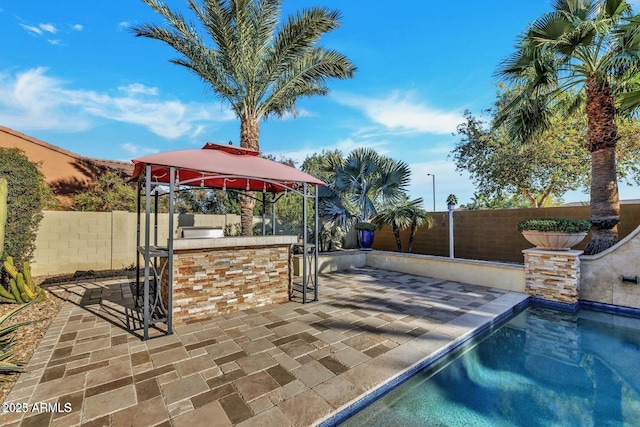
x=21, y=285
x=15, y=291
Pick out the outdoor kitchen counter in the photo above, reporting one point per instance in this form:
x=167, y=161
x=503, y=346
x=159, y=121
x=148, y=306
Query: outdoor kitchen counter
x=228, y=242
x=214, y=276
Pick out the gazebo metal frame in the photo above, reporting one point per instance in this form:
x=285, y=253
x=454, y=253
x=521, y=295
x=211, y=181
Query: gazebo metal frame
x=153, y=176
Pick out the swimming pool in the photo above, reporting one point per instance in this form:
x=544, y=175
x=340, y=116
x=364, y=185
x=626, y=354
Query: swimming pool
x=542, y=368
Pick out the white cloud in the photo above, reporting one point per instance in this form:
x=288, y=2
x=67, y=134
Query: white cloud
x=77, y=27
x=49, y=28
x=138, y=89
x=54, y=42
x=301, y=113
x=124, y=25
x=31, y=29
x=344, y=145
x=138, y=151
x=32, y=100
x=400, y=112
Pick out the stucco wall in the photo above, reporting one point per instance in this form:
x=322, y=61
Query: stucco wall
x=483, y=273
x=601, y=274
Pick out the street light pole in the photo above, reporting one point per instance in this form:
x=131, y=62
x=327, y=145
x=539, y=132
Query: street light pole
x=433, y=178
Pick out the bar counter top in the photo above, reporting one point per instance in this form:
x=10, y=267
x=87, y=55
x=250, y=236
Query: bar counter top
x=230, y=242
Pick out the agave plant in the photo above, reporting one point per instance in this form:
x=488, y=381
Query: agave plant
x=7, y=339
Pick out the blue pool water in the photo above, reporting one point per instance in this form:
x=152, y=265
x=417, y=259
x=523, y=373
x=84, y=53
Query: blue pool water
x=542, y=368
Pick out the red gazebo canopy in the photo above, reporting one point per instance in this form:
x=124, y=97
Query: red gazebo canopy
x=223, y=166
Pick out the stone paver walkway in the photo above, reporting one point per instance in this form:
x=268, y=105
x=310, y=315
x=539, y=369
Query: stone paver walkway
x=280, y=365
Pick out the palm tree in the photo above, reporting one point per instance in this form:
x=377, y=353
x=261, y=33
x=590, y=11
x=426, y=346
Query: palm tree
x=366, y=180
x=260, y=67
x=593, y=48
x=359, y=185
x=402, y=215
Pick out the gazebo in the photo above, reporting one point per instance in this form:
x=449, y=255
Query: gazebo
x=215, y=166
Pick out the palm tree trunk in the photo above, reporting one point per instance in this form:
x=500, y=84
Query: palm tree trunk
x=602, y=136
x=249, y=134
x=396, y=233
x=412, y=233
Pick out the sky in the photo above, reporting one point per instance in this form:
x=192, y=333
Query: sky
x=72, y=74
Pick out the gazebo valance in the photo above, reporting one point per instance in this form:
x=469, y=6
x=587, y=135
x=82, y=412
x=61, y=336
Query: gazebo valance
x=223, y=166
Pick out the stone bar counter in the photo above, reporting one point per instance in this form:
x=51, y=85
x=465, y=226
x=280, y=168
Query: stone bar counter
x=221, y=275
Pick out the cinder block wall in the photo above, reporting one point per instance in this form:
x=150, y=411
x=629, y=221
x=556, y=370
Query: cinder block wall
x=491, y=235
x=72, y=241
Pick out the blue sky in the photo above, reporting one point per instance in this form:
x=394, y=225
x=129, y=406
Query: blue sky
x=73, y=75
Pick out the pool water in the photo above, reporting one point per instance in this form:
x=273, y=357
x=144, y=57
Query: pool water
x=542, y=368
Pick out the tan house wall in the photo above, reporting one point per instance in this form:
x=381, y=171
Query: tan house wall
x=491, y=235
x=65, y=172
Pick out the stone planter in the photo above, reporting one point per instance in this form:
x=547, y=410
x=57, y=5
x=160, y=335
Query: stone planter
x=553, y=241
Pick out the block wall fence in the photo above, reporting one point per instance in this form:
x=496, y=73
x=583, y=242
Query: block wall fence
x=72, y=241
x=491, y=235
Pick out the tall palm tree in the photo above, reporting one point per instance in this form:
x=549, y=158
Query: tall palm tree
x=593, y=48
x=402, y=215
x=250, y=60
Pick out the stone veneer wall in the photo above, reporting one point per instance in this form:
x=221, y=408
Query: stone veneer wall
x=228, y=279
x=553, y=275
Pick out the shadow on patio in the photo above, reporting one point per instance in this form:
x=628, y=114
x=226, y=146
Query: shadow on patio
x=284, y=364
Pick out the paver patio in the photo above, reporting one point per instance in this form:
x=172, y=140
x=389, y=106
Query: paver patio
x=279, y=365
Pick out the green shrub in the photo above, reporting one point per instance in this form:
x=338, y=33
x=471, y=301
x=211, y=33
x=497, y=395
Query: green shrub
x=366, y=226
x=28, y=195
x=559, y=225
x=111, y=192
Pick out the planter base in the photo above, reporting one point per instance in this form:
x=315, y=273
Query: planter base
x=552, y=241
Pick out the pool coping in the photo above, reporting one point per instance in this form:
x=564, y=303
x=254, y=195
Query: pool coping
x=361, y=402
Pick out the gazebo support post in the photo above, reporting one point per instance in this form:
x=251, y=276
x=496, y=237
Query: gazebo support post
x=147, y=249
x=138, y=243
x=317, y=248
x=309, y=250
x=305, y=258
x=169, y=308
x=273, y=214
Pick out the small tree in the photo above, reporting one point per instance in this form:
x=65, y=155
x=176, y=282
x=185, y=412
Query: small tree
x=28, y=195
x=402, y=215
x=110, y=193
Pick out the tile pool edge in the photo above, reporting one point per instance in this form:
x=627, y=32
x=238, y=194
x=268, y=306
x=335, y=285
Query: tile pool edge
x=609, y=308
x=349, y=409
